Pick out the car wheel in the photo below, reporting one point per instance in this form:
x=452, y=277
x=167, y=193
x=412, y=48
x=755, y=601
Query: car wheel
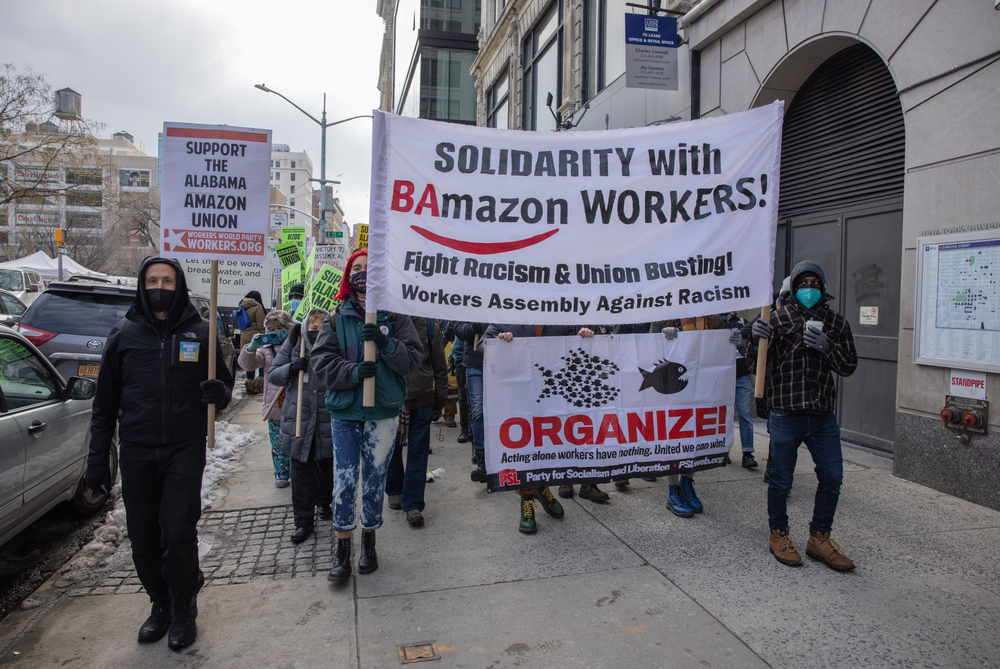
x=87, y=502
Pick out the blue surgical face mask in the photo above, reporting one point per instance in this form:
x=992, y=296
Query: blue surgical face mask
x=293, y=305
x=808, y=297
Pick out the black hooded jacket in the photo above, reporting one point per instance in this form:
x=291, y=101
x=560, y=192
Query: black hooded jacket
x=151, y=373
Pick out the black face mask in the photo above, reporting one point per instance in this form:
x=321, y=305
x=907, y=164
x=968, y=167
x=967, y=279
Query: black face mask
x=311, y=336
x=359, y=282
x=159, y=299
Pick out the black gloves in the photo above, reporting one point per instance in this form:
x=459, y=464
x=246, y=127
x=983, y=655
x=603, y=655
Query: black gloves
x=213, y=391
x=299, y=365
x=98, y=475
x=818, y=340
x=761, y=329
x=371, y=332
x=761, y=407
x=365, y=370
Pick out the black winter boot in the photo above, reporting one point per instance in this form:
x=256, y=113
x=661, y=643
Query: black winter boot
x=158, y=622
x=183, y=629
x=369, y=559
x=341, y=571
x=478, y=474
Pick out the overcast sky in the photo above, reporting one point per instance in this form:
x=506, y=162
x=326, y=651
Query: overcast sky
x=138, y=64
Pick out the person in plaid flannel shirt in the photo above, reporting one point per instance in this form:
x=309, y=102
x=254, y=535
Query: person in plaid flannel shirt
x=808, y=343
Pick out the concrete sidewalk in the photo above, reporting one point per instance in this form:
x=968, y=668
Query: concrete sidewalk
x=623, y=584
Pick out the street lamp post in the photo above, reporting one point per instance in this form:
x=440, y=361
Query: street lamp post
x=322, y=160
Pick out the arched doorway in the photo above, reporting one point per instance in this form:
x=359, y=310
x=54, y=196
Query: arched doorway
x=842, y=165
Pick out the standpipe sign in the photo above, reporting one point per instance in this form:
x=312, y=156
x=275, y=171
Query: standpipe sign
x=214, y=197
x=562, y=228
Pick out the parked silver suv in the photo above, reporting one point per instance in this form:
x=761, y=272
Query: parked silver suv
x=44, y=437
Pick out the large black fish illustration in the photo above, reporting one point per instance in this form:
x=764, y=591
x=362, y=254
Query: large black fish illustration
x=665, y=378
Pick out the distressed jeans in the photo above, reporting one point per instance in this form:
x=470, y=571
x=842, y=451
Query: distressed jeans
x=474, y=381
x=821, y=435
x=745, y=410
x=361, y=451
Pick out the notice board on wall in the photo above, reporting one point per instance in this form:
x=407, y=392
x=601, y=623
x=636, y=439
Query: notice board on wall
x=957, y=318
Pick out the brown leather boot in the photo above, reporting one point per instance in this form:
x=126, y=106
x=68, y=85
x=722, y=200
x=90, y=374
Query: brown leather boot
x=783, y=549
x=821, y=547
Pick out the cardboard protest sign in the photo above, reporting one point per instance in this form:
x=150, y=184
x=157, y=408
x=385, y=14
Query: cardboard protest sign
x=362, y=230
x=289, y=277
x=288, y=253
x=325, y=286
x=330, y=254
x=296, y=234
x=214, y=192
x=614, y=227
x=307, y=274
x=562, y=410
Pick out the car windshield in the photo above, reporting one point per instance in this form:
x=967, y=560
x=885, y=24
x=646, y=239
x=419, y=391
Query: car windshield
x=10, y=279
x=77, y=313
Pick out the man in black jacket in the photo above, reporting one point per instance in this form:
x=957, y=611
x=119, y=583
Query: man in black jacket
x=153, y=384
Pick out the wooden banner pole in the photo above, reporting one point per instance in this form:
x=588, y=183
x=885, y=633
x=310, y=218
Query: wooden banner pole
x=213, y=329
x=273, y=402
x=758, y=391
x=302, y=374
x=368, y=394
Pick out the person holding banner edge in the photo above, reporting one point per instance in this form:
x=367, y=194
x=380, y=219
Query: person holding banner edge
x=807, y=343
x=363, y=437
x=549, y=503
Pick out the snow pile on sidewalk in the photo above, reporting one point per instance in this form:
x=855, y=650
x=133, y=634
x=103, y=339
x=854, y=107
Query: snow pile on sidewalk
x=106, y=539
x=230, y=439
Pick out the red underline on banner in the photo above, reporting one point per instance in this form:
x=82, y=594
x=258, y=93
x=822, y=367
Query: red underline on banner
x=199, y=133
x=483, y=248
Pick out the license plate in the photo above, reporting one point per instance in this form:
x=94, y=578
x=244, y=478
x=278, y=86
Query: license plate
x=88, y=369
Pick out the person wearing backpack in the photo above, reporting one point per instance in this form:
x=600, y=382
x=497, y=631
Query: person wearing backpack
x=252, y=304
x=363, y=437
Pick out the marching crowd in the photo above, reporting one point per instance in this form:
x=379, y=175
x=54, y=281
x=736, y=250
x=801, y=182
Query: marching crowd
x=327, y=442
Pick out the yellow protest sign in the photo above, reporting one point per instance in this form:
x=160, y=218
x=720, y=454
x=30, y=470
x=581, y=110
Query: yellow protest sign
x=362, y=235
x=288, y=253
x=325, y=287
x=307, y=281
x=289, y=276
x=295, y=234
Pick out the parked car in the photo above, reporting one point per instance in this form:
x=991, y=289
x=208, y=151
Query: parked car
x=25, y=284
x=11, y=309
x=44, y=437
x=70, y=323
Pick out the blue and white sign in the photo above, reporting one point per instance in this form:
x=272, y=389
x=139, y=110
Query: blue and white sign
x=651, y=52
x=651, y=30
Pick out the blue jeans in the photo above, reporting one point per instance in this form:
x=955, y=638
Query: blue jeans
x=821, y=435
x=745, y=410
x=474, y=381
x=411, y=480
x=361, y=451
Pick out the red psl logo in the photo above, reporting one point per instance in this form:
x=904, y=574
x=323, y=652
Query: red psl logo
x=508, y=477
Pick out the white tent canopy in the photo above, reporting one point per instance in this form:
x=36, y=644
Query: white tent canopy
x=49, y=268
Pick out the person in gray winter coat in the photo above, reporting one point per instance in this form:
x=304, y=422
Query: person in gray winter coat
x=310, y=455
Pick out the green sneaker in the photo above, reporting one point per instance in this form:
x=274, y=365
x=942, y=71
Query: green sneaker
x=549, y=503
x=527, y=525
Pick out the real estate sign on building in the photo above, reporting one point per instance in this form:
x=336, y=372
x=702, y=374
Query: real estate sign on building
x=651, y=52
x=215, y=188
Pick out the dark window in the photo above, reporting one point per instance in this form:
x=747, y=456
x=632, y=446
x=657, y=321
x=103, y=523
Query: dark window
x=594, y=25
x=12, y=305
x=83, y=198
x=76, y=313
x=83, y=176
x=498, y=103
x=543, y=70
x=24, y=378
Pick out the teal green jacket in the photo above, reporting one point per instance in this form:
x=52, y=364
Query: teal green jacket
x=339, y=349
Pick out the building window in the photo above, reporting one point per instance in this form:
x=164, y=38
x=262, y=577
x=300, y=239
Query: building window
x=292, y=189
x=543, y=70
x=277, y=176
x=291, y=214
x=293, y=164
x=292, y=176
x=497, y=103
x=292, y=202
x=604, y=44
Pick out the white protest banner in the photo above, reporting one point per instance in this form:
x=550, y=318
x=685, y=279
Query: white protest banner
x=214, y=194
x=334, y=255
x=618, y=226
x=236, y=279
x=562, y=410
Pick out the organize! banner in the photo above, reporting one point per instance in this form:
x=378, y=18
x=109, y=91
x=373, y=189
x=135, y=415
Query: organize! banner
x=618, y=226
x=214, y=194
x=562, y=410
